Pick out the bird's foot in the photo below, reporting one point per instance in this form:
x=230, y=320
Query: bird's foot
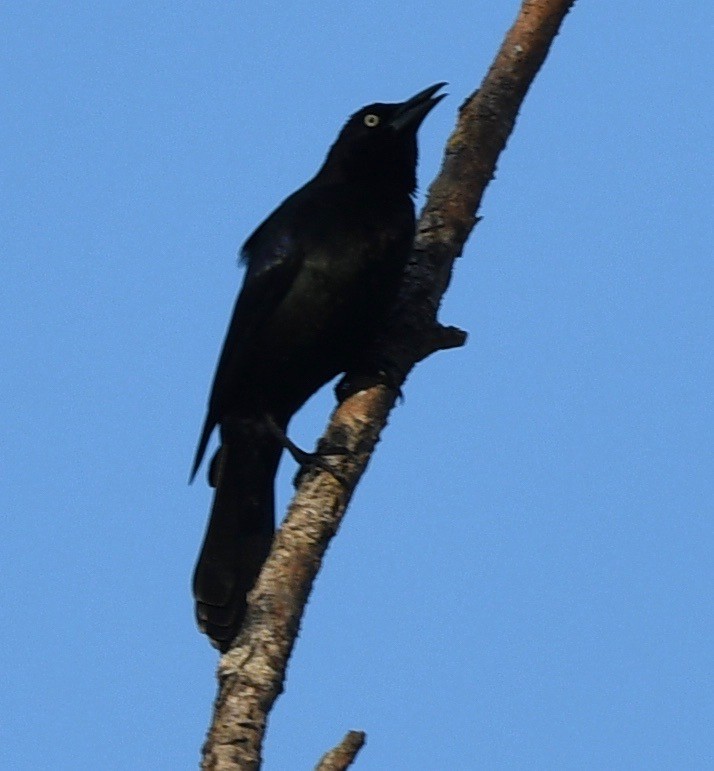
x=384, y=373
x=307, y=460
x=313, y=460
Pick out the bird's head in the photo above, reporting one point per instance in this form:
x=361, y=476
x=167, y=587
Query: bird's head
x=378, y=143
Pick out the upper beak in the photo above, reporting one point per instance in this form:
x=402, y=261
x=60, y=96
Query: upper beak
x=411, y=113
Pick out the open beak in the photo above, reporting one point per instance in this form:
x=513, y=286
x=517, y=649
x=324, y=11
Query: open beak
x=411, y=113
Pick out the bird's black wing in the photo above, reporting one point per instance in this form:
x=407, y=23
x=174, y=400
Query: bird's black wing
x=273, y=257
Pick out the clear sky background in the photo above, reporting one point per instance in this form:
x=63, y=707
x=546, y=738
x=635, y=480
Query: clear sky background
x=525, y=578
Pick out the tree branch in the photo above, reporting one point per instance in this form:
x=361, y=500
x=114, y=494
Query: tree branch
x=251, y=674
x=342, y=756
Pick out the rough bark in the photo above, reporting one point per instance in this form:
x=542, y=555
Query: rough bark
x=342, y=756
x=251, y=674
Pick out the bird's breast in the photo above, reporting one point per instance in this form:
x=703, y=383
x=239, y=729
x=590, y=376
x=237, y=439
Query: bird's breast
x=340, y=295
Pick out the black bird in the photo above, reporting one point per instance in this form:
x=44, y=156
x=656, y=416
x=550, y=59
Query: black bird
x=322, y=274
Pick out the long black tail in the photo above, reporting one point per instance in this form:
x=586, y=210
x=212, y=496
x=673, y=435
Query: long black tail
x=240, y=529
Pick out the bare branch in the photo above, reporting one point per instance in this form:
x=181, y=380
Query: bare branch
x=251, y=674
x=342, y=756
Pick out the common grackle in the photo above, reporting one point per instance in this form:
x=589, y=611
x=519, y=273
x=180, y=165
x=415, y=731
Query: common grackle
x=322, y=274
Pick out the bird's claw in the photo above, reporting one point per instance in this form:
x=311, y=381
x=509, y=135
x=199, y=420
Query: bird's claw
x=316, y=460
x=386, y=375
x=307, y=460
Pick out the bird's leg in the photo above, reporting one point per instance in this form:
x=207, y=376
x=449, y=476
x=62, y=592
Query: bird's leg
x=306, y=459
x=300, y=456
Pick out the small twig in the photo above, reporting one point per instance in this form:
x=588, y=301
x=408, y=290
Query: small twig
x=342, y=756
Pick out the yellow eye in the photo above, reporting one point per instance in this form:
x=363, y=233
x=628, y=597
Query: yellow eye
x=371, y=120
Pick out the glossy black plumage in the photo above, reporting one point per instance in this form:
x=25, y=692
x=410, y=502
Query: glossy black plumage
x=322, y=274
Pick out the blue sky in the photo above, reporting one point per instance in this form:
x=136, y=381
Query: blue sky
x=524, y=579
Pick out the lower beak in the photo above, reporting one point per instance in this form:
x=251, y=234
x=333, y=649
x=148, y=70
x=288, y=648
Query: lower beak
x=411, y=113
